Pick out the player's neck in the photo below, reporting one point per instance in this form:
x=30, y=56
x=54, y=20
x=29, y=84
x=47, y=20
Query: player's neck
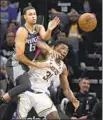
x=30, y=27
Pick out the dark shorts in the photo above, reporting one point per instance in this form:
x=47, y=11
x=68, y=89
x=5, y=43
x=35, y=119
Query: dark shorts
x=14, y=70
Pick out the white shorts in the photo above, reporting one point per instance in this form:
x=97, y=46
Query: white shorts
x=41, y=102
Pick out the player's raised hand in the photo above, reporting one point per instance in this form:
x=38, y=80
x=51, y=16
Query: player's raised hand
x=53, y=23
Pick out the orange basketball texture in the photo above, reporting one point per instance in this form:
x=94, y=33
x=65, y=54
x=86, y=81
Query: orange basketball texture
x=87, y=22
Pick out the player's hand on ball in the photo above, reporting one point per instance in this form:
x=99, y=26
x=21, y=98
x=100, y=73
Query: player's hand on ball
x=76, y=103
x=53, y=23
x=54, y=53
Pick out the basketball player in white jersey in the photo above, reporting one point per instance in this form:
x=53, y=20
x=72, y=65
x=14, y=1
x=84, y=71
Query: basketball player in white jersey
x=37, y=96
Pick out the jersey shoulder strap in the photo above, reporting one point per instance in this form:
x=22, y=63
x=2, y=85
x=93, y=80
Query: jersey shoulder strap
x=26, y=28
x=37, y=28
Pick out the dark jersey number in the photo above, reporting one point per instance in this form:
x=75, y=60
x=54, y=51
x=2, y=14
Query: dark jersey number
x=48, y=75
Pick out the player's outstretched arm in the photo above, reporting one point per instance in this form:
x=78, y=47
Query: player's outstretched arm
x=42, y=45
x=46, y=35
x=67, y=91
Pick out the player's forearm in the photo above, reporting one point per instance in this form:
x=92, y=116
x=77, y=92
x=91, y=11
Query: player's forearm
x=47, y=35
x=69, y=94
x=43, y=46
x=23, y=59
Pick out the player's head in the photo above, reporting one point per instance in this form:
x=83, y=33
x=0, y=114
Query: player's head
x=62, y=47
x=30, y=15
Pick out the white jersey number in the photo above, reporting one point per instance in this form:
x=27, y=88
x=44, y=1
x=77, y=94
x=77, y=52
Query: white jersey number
x=32, y=47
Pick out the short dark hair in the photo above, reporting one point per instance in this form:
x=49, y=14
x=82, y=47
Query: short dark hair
x=27, y=8
x=86, y=78
x=58, y=42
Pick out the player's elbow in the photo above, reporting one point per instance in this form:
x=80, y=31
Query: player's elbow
x=46, y=38
x=19, y=52
x=19, y=56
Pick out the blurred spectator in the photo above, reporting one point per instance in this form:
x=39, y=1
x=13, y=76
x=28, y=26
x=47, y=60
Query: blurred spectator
x=3, y=31
x=61, y=36
x=87, y=101
x=14, y=4
x=75, y=38
x=59, y=8
x=13, y=26
x=73, y=30
x=8, y=47
x=96, y=113
x=3, y=84
x=64, y=19
x=6, y=51
x=3, y=77
x=86, y=6
x=7, y=13
x=83, y=6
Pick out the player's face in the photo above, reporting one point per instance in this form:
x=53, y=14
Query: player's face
x=63, y=50
x=31, y=16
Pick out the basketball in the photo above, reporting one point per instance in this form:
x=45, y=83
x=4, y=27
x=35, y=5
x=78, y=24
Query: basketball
x=87, y=22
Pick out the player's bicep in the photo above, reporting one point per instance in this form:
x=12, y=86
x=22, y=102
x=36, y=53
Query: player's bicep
x=21, y=36
x=42, y=31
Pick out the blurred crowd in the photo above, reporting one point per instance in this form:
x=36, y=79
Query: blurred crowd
x=68, y=11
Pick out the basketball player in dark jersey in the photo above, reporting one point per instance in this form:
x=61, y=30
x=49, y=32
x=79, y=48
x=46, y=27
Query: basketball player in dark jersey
x=27, y=39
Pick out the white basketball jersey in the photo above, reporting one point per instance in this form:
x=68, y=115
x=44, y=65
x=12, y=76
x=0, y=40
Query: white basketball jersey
x=41, y=77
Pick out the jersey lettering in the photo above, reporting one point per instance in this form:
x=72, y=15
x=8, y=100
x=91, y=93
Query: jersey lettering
x=54, y=70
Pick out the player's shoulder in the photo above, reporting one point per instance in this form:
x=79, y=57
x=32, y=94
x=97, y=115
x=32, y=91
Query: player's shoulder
x=39, y=26
x=64, y=68
x=63, y=64
x=21, y=30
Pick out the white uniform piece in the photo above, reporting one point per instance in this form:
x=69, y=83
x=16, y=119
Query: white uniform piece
x=42, y=78
x=40, y=81
x=56, y=83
